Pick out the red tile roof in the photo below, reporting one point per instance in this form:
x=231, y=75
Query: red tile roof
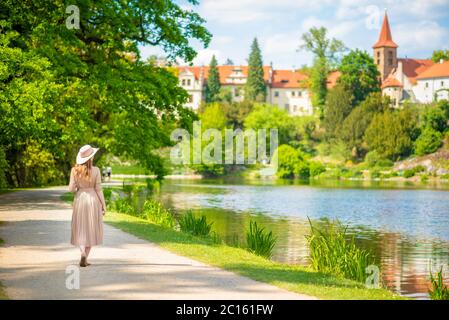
x=224, y=71
x=412, y=68
x=391, y=81
x=385, y=39
x=332, y=79
x=437, y=70
x=288, y=79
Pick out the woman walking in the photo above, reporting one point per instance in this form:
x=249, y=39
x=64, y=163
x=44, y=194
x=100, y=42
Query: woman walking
x=88, y=206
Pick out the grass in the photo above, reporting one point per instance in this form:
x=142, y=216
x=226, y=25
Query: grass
x=154, y=212
x=259, y=241
x=196, y=226
x=332, y=252
x=238, y=260
x=438, y=290
x=134, y=169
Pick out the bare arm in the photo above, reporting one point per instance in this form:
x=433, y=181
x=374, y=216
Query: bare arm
x=72, y=185
x=99, y=190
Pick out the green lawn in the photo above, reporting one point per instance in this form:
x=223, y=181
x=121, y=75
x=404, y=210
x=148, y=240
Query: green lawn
x=294, y=278
x=128, y=170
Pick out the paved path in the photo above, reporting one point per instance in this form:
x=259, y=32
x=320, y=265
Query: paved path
x=36, y=229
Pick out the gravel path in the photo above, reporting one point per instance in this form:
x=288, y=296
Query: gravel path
x=37, y=261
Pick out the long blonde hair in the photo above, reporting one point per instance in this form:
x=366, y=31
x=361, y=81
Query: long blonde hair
x=83, y=171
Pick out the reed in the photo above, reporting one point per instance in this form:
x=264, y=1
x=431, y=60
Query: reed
x=438, y=290
x=332, y=252
x=259, y=241
x=197, y=226
x=155, y=212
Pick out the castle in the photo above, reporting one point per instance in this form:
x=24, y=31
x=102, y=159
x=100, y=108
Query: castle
x=415, y=80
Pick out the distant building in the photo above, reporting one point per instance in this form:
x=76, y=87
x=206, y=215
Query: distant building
x=416, y=80
x=285, y=88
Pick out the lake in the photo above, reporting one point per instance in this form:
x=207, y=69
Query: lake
x=405, y=225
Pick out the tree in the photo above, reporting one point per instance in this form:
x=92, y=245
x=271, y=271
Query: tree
x=325, y=57
x=391, y=133
x=355, y=125
x=438, y=55
x=268, y=117
x=88, y=84
x=359, y=74
x=428, y=141
x=229, y=62
x=290, y=163
x=255, y=88
x=338, y=107
x=213, y=82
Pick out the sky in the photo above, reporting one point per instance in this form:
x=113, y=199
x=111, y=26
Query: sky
x=417, y=26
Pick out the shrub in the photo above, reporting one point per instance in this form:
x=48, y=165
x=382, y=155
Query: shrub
x=331, y=252
x=411, y=172
x=123, y=205
x=429, y=141
x=302, y=170
x=196, y=226
x=316, y=169
x=438, y=290
x=259, y=241
x=155, y=212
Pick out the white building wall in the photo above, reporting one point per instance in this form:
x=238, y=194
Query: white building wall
x=294, y=101
x=426, y=89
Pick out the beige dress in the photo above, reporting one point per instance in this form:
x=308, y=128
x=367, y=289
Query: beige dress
x=88, y=206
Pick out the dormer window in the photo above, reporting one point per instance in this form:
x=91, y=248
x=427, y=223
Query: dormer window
x=188, y=82
x=183, y=82
x=293, y=93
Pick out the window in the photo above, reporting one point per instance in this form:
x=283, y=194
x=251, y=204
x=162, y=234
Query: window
x=442, y=83
x=378, y=61
x=293, y=93
x=183, y=82
x=427, y=84
x=299, y=93
x=190, y=99
x=378, y=54
x=237, y=92
x=188, y=82
x=295, y=108
x=276, y=94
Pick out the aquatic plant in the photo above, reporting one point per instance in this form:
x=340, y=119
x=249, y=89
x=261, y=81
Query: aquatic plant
x=438, y=290
x=193, y=225
x=155, y=212
x=259, y=241
x=332, y=252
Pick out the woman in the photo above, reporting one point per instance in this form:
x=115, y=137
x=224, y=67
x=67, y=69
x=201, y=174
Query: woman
x=88, y=206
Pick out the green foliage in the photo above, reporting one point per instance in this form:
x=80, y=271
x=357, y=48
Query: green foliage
x=197, y=226
x=332, y=252
x=213, y=82
x=255, y=88
x=259, y=241
x=123, y=205
x=373, y=159
x=62, y=88
x=438, y=290
x=3, y=169
x=316, y=168
x=236, y=113
x=437, y=55
x=338, y=107
x=155, y=212
x=435, y=116
x=265, y=116
x=290, y=163
x=413, y=171
x=213, y=117
x=429, y=141
x=325, y=53
x=355, y=125
x=359, y=74
x=391, y=133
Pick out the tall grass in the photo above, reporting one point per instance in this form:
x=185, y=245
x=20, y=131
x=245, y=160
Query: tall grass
x=155, y=212
x=259, y=241
x=196, y=226
x=438, y=290
x=332, y=252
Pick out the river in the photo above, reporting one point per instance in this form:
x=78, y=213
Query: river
x=405, y=225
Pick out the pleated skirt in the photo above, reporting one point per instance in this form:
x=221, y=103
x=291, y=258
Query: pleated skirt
x=87, y=219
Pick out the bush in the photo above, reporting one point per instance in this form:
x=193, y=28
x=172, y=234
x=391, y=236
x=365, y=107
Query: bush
x=302, y=170
x=331, y=252
x=411, y=172
x=154, y=211
x=316, y=169
x=197, y=226
x=429, y=141
x=438, y=290
x=259, y=241
x=123, y=205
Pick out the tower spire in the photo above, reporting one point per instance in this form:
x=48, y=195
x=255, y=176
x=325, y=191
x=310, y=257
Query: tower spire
x=385, y=38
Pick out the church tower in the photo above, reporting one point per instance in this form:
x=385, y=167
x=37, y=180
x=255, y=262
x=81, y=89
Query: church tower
x=385, y=51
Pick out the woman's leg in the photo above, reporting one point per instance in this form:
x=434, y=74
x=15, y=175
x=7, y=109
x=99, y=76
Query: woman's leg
x=83, y=251
x=87, y=251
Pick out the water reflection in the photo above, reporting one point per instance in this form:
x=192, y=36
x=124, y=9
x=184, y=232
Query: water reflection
x=406, y=227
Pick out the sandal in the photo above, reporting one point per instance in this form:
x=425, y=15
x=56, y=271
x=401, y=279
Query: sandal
x=83, y=262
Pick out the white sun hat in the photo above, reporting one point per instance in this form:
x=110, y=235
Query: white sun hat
x=86, y=152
